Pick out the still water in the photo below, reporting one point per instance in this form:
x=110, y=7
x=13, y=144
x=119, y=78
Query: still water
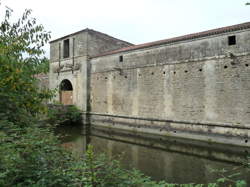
x=161, y=158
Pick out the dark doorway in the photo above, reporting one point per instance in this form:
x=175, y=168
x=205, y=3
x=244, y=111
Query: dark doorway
x=66, y=92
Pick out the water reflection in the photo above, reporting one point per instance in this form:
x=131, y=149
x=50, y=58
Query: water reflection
x=72, y=138
x=162, y=158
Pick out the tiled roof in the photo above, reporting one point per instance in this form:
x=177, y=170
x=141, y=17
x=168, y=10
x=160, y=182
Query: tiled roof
x=181, y=38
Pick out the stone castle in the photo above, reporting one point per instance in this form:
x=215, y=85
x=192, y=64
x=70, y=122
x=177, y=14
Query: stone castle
x=195, y=86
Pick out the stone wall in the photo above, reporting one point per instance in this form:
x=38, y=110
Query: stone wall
x=75, y=68
x=196, y=86
x=200, y=86
x=43, y=80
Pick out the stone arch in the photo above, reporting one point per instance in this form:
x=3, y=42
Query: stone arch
x=66, y=92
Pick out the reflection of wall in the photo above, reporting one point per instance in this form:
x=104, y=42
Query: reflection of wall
x=161, y=164
x=72, y=139
x=77, y=146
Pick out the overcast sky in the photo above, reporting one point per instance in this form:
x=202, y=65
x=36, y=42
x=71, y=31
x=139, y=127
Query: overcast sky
x=135, y=21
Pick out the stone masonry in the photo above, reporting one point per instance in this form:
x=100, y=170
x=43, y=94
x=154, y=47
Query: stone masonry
x=195, y=86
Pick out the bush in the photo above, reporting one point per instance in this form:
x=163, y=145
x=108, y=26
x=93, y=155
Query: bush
x=61, y=114
x=29, y=155
x=32, y=157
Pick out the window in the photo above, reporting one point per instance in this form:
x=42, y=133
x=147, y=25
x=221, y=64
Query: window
x=66, y=48
x=121, y=58
x=231, y=40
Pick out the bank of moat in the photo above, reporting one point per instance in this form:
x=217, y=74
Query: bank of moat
x=195, y=86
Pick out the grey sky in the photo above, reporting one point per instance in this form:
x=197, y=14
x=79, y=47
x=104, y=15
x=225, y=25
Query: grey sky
x=135, y=21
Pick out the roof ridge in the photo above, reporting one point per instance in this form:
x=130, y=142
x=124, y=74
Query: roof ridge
x=201, y=34
x=92, y=30
x=89, y=30
x=68, y=35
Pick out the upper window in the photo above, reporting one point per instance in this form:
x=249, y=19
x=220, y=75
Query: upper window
x=232, y=40
x=66, y=48
x=121, y=58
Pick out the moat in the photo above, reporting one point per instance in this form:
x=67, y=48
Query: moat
x=161, y=158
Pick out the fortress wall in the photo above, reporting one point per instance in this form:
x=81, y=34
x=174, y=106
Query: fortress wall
x=211, y=91
x=191, y=81
x=198, y=49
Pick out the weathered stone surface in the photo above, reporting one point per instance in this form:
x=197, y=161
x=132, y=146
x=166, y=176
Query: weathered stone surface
x=76, y=68
x=200, y=81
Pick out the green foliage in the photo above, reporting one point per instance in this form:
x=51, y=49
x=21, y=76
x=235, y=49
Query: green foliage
x=21, y=58
x=64, y=114
x=229, y=177
x=29, y=155
x=32, y=157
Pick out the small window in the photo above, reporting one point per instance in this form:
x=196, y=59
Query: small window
x=121, y=58
x=66, y=48
x=231, y=40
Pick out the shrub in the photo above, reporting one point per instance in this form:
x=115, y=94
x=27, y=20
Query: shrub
x=61, y=114
x=32, y=157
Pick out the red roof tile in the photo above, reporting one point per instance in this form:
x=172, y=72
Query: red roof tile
x=181, y=38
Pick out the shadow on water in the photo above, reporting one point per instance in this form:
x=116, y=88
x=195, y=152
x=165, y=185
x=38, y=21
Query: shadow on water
x=161, y=157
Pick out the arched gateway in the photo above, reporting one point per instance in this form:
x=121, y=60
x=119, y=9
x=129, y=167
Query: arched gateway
x=66, y=92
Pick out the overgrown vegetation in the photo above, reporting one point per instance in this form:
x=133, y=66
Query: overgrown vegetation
x=30, y=154
x=64, y=114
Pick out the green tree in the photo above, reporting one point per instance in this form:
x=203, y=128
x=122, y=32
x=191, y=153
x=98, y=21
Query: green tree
x=21, y=58
x=29, y=154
